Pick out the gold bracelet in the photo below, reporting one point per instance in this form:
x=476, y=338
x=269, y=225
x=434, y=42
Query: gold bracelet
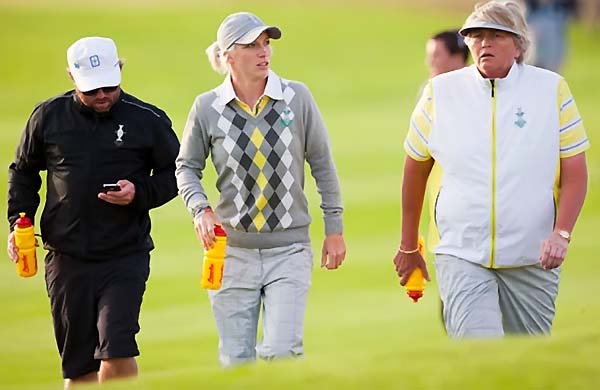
x=408, y=252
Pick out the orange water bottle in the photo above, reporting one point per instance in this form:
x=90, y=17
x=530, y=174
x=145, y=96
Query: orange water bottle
x=25, y=242
x=416, y=282
x=214, y=259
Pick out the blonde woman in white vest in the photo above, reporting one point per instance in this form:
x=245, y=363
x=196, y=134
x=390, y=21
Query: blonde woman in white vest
x=259, y=130
x=511, y=148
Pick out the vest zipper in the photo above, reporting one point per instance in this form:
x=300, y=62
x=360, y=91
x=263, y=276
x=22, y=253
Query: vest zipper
x=493, y=180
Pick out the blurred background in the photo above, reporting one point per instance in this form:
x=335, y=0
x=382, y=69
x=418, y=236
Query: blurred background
x=364, y=61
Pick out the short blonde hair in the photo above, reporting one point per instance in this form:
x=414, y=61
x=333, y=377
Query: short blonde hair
x=504, y=13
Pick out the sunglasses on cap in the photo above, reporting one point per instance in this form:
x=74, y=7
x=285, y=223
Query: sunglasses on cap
x=104, y=89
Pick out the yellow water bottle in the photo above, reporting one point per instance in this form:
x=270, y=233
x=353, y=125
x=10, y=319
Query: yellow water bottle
x=214, y=260
x=415, y=285
x=25, y=242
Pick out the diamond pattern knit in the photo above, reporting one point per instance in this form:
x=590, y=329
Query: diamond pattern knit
x=260, y=160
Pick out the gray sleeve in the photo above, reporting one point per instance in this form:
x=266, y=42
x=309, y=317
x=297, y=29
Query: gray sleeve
x=191, y=161
x=318, y=155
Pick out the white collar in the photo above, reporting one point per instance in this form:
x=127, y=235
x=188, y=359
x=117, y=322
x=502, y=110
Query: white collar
x=510, y=79
x=273, y=90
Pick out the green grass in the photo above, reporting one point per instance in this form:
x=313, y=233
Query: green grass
x=364, y=65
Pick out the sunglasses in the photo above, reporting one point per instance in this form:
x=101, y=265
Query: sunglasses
x=104, y=89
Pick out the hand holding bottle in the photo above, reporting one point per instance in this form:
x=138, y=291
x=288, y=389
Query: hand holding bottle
x=25, y=243
x=204, y=225
x=11, y=248
x=412, y=270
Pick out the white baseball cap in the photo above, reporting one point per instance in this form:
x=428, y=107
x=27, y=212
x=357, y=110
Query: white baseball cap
x=243, y=28
x=94, y=63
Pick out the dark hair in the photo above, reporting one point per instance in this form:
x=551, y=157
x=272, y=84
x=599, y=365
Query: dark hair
x=454, y=42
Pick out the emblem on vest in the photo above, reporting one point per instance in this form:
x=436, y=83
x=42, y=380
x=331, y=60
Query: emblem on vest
x=120, y=133
x=287, y=116
x=521, y=122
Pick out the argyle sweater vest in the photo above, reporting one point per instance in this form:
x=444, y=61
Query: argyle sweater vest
x=260, y=166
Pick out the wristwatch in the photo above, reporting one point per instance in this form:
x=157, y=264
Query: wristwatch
x=564, y=234
x=201, y=210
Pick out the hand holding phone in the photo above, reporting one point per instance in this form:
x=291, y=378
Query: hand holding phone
x=111, y=187
x=120, y=193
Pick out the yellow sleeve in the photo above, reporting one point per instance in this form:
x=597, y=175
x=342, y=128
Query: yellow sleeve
x=573, y=139
x=416, y=143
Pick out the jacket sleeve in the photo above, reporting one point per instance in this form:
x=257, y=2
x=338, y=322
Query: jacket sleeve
x=195, y=148
x=322, y=167
x=160, y=187
x=24, y=179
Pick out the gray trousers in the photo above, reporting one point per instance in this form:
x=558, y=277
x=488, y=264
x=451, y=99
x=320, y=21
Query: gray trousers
x=277, y=278
x=483, y=302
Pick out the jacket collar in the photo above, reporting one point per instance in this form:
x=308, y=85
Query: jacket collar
x=226, y=93
x=86, y=110
x=505, y=82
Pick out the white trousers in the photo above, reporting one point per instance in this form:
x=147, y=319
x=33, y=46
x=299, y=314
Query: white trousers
x=484, y=302
x=277, y=278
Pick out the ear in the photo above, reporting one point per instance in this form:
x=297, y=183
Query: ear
x=229, y=58
x=70, y=76
x=469, y=42
x=518, y=50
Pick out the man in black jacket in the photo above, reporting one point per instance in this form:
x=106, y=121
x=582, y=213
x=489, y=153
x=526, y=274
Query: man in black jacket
x=98, y=238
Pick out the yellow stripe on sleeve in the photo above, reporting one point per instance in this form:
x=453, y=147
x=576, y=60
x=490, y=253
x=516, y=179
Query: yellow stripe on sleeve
x=416, y=143
x=573, y=139
x=434, y=183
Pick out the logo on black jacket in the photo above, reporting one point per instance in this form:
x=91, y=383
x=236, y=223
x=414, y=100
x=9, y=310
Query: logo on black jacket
x=120, y=133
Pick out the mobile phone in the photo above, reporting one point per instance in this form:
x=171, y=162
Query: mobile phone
x=111, y=187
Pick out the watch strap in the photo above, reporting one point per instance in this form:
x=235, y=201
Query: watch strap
x=564, y=234
x=200, y=210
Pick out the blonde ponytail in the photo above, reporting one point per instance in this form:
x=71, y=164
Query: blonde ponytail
x=216, y=58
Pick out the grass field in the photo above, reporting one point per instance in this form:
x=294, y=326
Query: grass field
x=364, y=64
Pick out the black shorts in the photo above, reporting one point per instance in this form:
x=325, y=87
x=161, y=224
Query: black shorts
x=95, y=308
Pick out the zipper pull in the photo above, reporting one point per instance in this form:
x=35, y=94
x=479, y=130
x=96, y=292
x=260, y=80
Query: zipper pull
x=493, y=82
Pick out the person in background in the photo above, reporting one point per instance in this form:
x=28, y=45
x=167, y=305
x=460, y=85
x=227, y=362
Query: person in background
x=446, y=51
x=511, y=145
x=98, y=242
x=548, y=20
x=259, y=129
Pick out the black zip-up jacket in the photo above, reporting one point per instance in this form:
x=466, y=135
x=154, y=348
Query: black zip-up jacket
x=80, y=150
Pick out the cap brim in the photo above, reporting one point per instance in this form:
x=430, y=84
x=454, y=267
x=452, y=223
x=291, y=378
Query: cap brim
x=251, y=36
x=477, y=25
x=97, y=79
